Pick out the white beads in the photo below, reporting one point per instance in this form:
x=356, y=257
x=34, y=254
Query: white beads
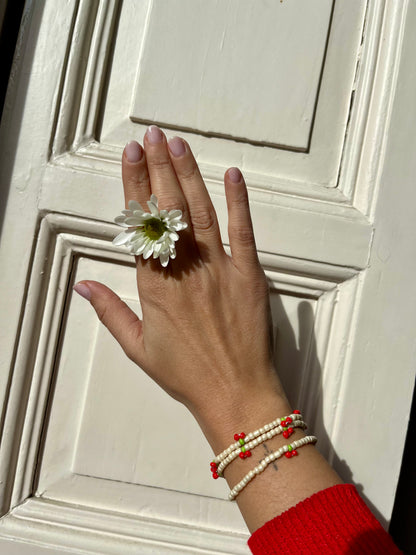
x=252, y=435
x=265, y=462
x=251, y=444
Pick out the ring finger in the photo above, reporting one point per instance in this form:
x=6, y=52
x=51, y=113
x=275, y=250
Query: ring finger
x=136, y=181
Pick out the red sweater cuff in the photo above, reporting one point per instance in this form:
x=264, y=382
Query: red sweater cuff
x=335, y=520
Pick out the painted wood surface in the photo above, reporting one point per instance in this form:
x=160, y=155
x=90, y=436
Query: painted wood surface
x=326, y=144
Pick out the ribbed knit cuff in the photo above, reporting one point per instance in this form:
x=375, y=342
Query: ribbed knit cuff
x=335, y=520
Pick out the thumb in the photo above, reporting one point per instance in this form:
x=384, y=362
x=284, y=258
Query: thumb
x=117, y=317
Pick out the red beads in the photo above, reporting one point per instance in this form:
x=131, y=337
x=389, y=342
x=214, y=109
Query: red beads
x=284, y=425
x=213, y=467
x=286, y=421
x=291, y=453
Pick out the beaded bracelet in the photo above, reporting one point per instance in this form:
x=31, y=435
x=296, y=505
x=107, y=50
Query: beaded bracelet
x=252, y=435
x=287, y=450
x=287, y=432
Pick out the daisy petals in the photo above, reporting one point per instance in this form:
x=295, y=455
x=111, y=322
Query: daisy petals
x=123, y=237
x=153, y=208
x=146, y=237
x=164, y=259
x=137, y=248
x=148, y=250
x=121, y=220
x=134, y=221
x=178, y=226
x=156, y=250
x=134, y=205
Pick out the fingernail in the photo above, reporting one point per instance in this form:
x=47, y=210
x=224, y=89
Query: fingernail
x=176, y=146
x=154, y=134
x=83, y=290
x=234, y=175
x=134, y=152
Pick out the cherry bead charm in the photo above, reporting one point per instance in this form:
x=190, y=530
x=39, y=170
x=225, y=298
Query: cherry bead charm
x=214, y=467
x=284, y=425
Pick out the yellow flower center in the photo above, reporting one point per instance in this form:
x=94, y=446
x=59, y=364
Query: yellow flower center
x=154, y=229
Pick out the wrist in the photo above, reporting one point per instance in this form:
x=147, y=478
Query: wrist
x=240, y=413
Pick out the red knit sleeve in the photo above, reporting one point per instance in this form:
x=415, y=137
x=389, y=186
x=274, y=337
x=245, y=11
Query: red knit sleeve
x=335, y=520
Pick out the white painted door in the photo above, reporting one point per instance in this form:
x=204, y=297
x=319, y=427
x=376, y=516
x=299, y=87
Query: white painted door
x=314, y=101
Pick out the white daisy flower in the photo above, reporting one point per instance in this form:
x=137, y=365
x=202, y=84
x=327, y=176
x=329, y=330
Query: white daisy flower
x=150, y=233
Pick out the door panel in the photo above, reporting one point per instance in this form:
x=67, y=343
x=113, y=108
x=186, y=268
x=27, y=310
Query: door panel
x=302, y=101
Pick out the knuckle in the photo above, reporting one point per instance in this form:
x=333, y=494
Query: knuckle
x=262, y=285
x=158, y=163
x=240, y=198
x=188, y=172
x=203, y=219
x=102, y=312
x=243, y=234
x=138, y=180
x=130, y=352
x=170, y=202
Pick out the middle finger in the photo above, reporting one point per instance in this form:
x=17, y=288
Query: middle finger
x=164, y=183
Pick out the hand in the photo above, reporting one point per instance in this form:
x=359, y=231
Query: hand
x=205, y=335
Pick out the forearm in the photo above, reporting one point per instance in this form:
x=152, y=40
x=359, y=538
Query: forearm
x=285, y=482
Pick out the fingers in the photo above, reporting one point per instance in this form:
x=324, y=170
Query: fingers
x=120, y=320
x=240, y=228
x=162, y=175
x=169, y=171
x=201, y=210
x=136, y=181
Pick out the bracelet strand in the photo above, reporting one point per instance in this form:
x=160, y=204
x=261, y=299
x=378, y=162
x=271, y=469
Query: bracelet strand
x=260, y=439
x=291, y=448
x=252, y=435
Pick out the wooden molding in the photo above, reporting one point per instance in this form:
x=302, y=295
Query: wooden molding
x=75, y=142
x=40, y=510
